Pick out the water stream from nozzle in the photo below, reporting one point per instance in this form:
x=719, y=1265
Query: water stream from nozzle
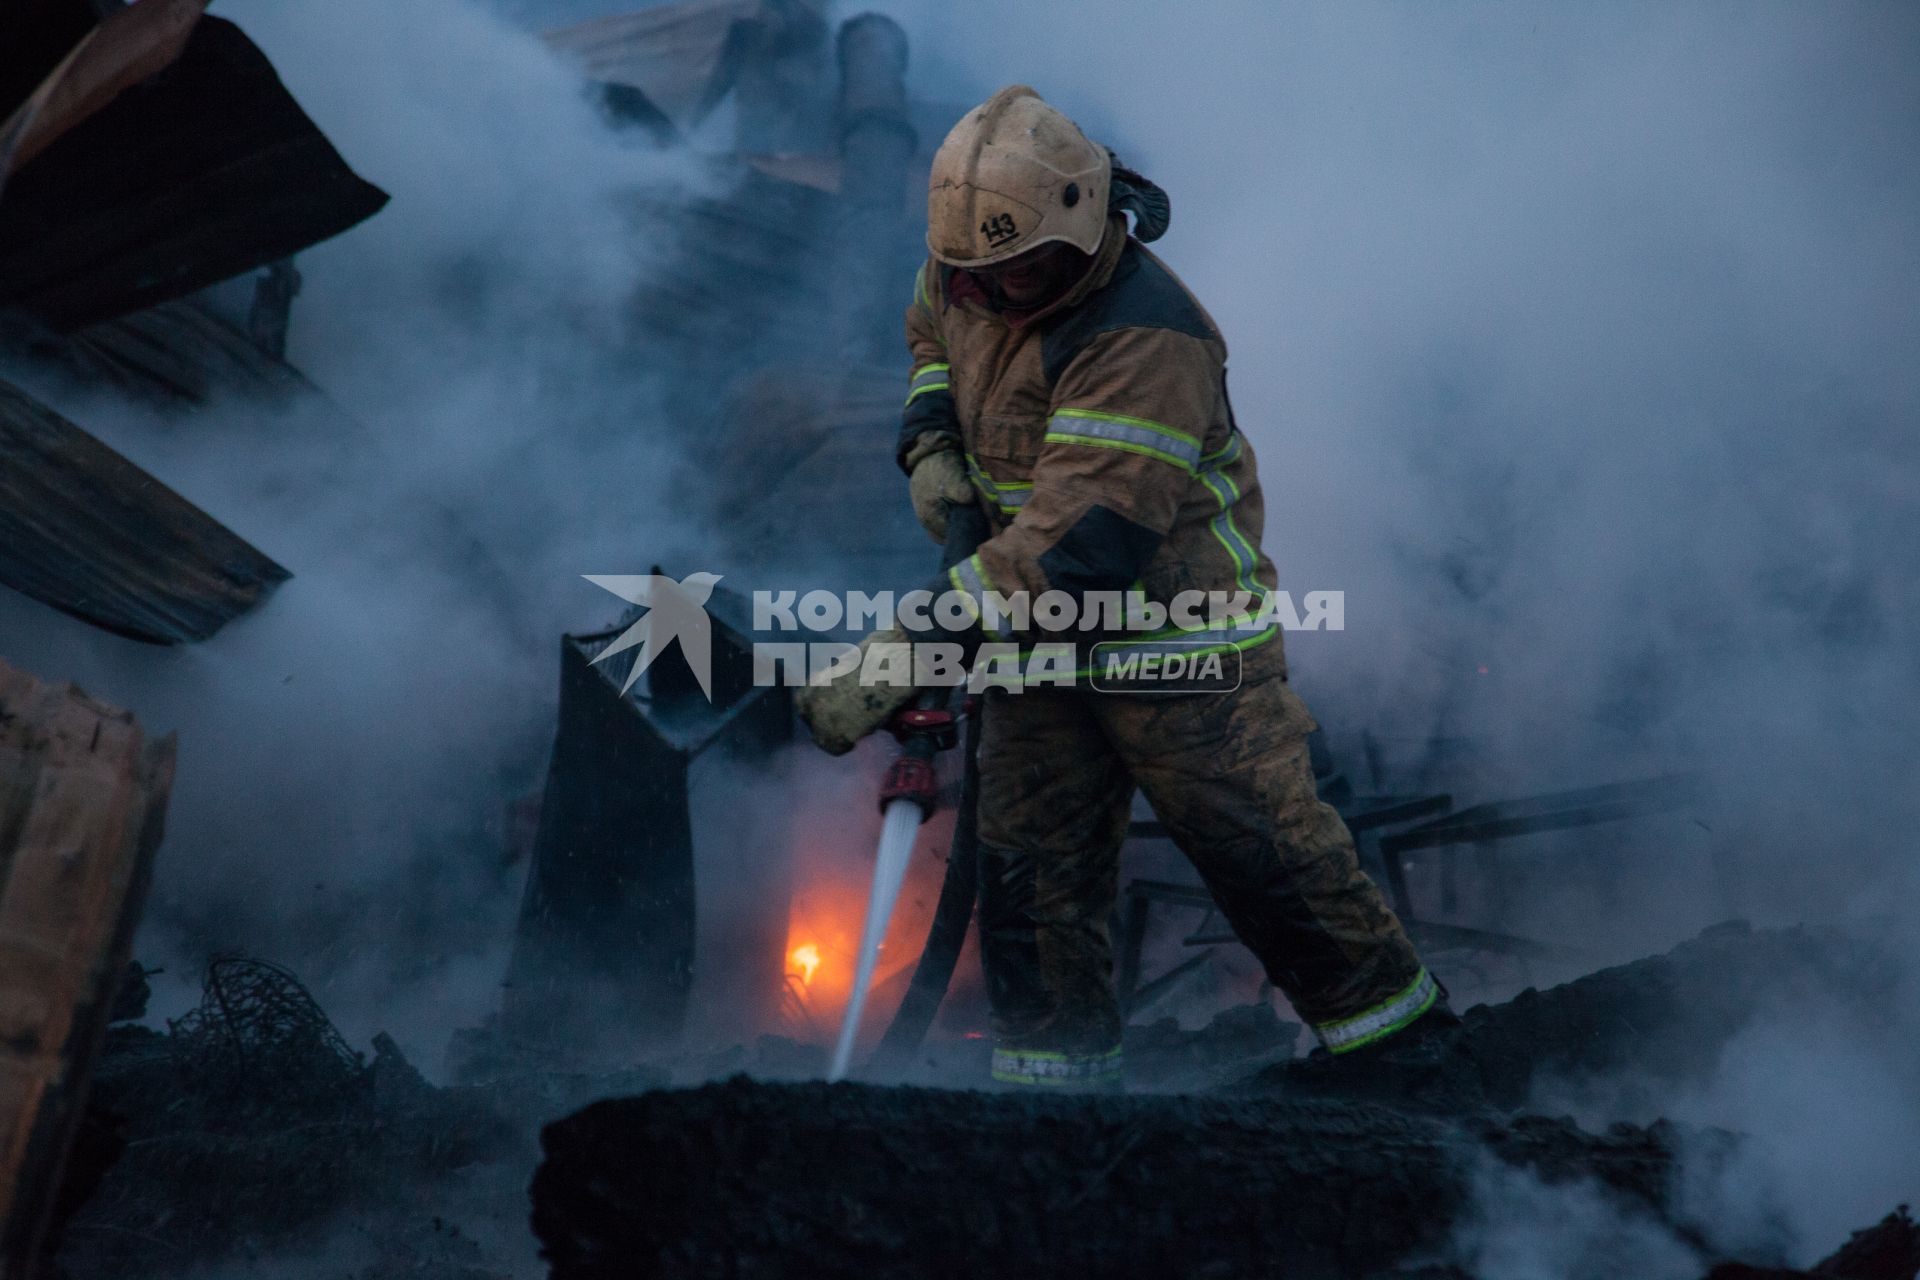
x=914, y=797
x=898, y=828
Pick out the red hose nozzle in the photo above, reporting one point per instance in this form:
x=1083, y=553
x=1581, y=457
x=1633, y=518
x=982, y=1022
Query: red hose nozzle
x=910, y=778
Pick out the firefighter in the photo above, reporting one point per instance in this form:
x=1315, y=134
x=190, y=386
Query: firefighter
x=1064, y=378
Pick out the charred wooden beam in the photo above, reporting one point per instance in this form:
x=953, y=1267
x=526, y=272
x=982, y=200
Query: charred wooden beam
x=177, y=354
x=821, y=1180
x=88, y=532
x=1561, y=811
x=194, y=175
x=1482, y=825
x=128, y=46
x=83, y=792
x=1304, y=1170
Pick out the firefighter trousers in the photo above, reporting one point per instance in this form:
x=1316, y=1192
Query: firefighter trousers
x=1229, y=776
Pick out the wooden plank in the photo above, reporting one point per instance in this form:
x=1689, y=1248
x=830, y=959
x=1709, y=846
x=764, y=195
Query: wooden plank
x=83, y=796
x=90, y=533
x=683, y=57
x=180, y=353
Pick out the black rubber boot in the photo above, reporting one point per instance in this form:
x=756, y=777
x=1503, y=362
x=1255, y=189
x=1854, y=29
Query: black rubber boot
x=1417, y=1039
x=1421, y=1067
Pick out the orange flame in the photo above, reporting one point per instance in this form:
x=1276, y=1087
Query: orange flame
x=826, y=915
x=804, y=960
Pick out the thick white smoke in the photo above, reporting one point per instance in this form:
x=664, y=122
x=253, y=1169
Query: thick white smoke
x=1577, y=346
x=346, y=751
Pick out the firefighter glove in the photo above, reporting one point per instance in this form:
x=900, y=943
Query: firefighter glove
x=937, y=480
x=845, y=706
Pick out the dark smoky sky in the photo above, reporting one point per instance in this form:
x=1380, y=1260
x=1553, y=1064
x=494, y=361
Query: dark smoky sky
x=347, y=750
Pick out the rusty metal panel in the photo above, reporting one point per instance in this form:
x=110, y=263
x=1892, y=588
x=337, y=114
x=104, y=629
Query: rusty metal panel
x=88, y=532
x=190, y=177
x=83, y=793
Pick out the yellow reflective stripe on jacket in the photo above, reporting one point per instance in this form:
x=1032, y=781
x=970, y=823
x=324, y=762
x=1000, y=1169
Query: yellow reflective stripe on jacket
x=929, y=377
x=1033, y=1066
x=1009, y=495
x=969, y=577
x=1383, y=1019
x=923, y=295
x=1117, y=431
x=1245, y=556
x=1226, y=455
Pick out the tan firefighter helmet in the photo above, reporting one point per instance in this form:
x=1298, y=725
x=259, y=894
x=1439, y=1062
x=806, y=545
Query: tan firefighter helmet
x=1013, y=174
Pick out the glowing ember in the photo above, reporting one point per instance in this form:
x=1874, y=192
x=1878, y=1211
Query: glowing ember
x=804, y=960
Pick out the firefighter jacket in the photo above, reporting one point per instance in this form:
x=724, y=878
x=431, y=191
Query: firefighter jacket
x=1099, y=436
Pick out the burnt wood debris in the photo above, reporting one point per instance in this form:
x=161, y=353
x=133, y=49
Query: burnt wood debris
x=249, y=1127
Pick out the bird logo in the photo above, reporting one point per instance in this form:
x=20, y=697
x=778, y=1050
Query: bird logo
x=675, y=611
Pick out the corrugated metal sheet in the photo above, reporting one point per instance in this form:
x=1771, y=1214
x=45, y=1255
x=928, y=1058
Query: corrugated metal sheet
x=88, y=532
x=83, y=793
x=603, y=956
x=187, y=178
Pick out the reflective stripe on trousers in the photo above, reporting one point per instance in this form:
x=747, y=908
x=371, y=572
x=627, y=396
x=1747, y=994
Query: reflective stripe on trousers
x=1383, y=1019
x=1039, y=1067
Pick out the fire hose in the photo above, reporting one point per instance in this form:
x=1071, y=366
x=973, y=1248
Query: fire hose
x=959, y=889
x=907, y=798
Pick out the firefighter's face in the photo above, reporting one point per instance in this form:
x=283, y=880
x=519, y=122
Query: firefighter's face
x=1037, y=274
